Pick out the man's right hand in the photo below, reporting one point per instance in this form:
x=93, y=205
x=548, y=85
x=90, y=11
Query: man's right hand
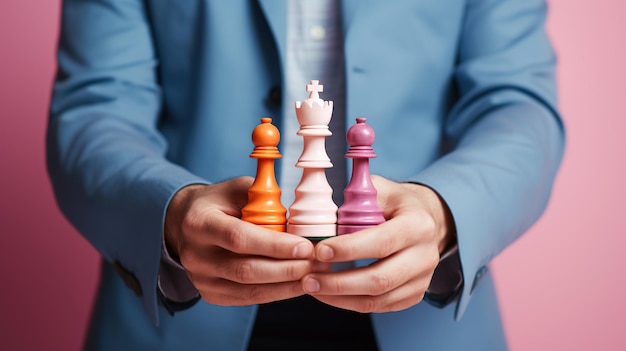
x=229, y=261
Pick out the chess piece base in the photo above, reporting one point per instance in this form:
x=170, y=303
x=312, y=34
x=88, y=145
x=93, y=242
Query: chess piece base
x=317, y=238
x=313, y=231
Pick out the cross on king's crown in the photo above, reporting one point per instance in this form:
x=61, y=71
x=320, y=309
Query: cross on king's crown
x=314, y=88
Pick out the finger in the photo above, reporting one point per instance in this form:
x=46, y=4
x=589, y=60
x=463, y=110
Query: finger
x=398, y=299
x=378, y=278
x=256, y=269
x=376, y=288
x=388, y=197
x=376, y=242
x=375, y=279
x=245, y=238
x=227, y=293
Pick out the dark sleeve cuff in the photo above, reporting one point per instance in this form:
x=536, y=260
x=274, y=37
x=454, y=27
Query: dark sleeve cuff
x=175, y=291
x=172, y=307
x=447, y=282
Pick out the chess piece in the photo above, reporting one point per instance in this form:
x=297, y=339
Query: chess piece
x=264, y=207
x=360, y=209
x=313, y=213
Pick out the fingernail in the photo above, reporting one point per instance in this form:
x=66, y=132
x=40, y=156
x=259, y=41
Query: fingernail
x=311, y=285
x=325, y=253
x=302, y=250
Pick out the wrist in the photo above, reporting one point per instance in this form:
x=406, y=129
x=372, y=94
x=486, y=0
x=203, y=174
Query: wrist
x=444, y=223
x=174, y=217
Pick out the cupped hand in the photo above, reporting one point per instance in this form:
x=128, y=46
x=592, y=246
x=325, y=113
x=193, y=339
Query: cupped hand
x=229, y=261
x=407, y=246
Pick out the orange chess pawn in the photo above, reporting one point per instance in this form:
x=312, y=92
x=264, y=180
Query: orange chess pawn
x=264, y=207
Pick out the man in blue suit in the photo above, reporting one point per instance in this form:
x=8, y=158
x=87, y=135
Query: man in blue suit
x=148, y=144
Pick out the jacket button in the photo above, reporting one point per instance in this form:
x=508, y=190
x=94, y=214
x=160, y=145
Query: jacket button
x=128, y=277
x=274, y=97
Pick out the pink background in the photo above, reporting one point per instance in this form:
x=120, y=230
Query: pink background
x=561, y=286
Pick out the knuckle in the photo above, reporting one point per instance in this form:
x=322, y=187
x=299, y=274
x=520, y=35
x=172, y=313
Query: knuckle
x=369, y=305
x=234, y=238
x=292, y=272
x=244, y=272
x=428, y=223
x=192, y=220
x=336, y=286
x=381, y=283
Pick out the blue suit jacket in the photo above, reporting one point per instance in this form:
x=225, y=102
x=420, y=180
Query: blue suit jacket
x=152, y=96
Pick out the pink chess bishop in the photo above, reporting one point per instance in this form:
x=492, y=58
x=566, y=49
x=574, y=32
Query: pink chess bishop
x=360, y=209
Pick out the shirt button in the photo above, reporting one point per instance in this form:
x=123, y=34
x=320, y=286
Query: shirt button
x=317, y=32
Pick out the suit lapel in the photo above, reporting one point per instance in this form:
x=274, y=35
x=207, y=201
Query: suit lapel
x=275, y=12
x=349, y=9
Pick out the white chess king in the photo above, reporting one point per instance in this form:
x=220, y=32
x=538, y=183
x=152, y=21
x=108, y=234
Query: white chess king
x=313, y=214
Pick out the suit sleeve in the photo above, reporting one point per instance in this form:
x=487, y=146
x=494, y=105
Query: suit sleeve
x=105, y=156
x=506, y=136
